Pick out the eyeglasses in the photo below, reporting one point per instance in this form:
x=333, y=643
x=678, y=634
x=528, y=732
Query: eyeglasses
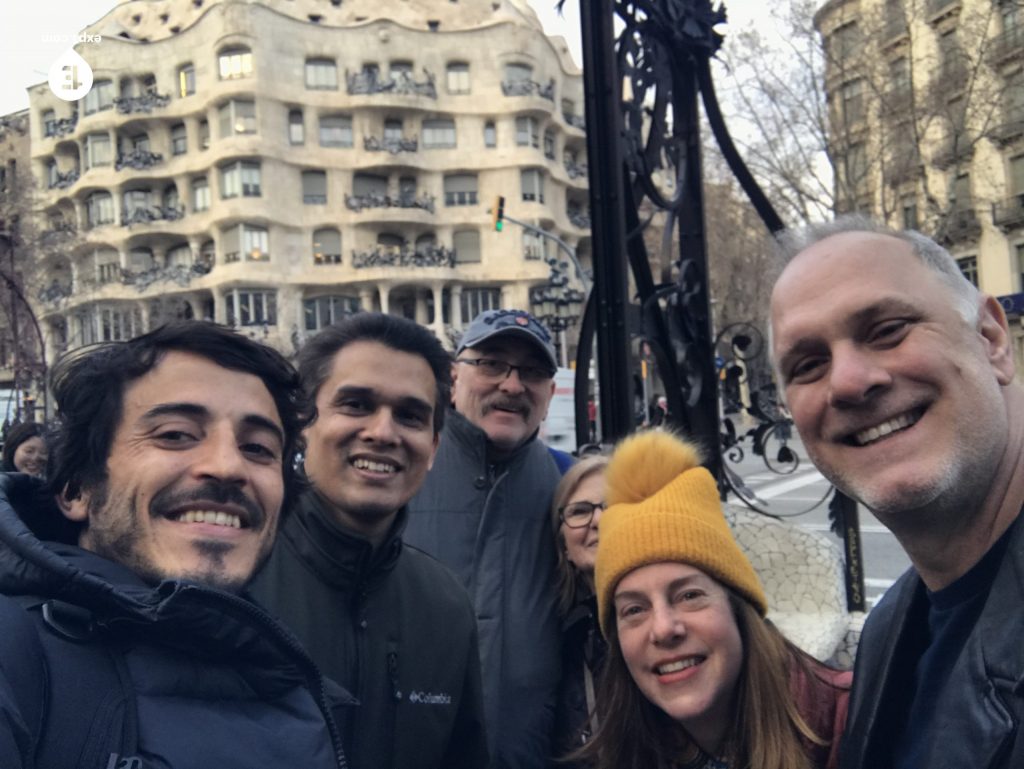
x=499, y=369
x=579, y=514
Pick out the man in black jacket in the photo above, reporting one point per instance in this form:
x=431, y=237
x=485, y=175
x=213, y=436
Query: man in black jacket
x=124, y=640
x=899, y=375
x=385, y=620
x=484, y=512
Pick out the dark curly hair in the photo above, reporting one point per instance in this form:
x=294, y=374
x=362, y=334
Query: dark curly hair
x=89, y=385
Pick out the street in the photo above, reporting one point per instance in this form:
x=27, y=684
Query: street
x=798, y=497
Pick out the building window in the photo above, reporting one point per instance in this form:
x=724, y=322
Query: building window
x=179, y=139
x=99, y=97
x=119, y=325
x=179, y=256
x=400, y=71
x=534, y=245
x=477, y=300
x=1017, y=175
x=326, y=310
x=852, y=95
x=186, y=80
x=97, y=150
x=246, y=242
x=252, y=307
x=52, y=174
x=846, y=42
x=242, y=178
x=49, y=120
x=140, y=259
x=335, y=131
x=200, y=195
x=466, y=244
x=204, y=134
x=108, y=271
x=909, y=214
x=321, y=74
x=460, y=190
x=549, y=144
x=439, y=133
x=100, y=209
x=172, y=201
x=234, y=63
x=458, y=77
x=237, y=116
x=327, y=246
x=296, y=128
x=314, y=187
x=392, y=131
x=136, y=201
x=518, y=73
x=962, y=200
x=369, y=185
x=527, y=132
x=532, y=183
x=969, y=267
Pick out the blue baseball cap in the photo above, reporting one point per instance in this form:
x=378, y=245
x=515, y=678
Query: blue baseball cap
x=492, y=323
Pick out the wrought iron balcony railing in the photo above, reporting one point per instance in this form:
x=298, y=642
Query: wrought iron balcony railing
x=393, y=146
x=147, y=214
x=63, y=181
x=179, y=274
x=576, y=121
x=384, y=200
x=370, y=82
x=528, y=87
x=962, y=224
x=137, y=159
x=61, y=127
x=574, y=170
x=1009, y=213
x=430, y=256
x=145, y=103
x=1008, y=44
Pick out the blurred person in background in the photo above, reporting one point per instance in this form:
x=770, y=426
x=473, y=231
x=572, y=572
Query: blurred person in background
x=575, y=513
x=25, y=449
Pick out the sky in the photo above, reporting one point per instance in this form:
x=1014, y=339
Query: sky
x=36, y=32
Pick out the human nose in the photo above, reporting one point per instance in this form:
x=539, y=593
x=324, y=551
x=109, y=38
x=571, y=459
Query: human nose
x=221, y=457
x=595, y=517
x=855, y=376
x=512, y=381
x=380, y=427
x=666, y=624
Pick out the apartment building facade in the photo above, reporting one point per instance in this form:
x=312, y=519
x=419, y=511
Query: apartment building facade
x=278, y=164
x=926, y=125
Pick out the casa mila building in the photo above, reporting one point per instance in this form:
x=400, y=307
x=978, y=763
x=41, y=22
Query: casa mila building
x=278, y=164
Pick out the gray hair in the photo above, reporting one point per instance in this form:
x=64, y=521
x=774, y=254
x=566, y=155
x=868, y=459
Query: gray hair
x=933, y=256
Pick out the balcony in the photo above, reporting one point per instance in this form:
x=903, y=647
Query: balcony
x=953, y=151
x=528, y=87
x=578, y=218
x=383, y=200
x=138, y=159
x=57, y=128
x=54, y=293
x=431, y=256
x=1009, y=214
x=145, y=104
x=576, y=121
x=179, y=274
x=1012, y=127
x=575, y=170
x=370, y=82
x=63, y=181
x=1007, y=45
x=961, y=224
x=148, y=214
x=940, y=8
x=391, y=145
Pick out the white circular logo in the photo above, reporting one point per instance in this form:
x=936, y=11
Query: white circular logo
x=70, y=76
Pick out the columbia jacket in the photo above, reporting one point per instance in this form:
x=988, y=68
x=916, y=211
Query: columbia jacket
x=981, y=710
x=98, y=669
x=489, y=523
x=393, y=626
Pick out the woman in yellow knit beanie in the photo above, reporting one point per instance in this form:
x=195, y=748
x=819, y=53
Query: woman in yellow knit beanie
x=695, y=675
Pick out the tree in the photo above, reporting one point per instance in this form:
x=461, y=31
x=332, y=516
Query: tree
x=855, y=119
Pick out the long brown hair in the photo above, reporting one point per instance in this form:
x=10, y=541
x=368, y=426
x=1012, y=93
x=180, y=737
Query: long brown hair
x=768, y=730
x=568, y=576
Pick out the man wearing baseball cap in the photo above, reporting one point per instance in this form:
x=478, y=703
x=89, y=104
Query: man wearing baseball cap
x=483, y=512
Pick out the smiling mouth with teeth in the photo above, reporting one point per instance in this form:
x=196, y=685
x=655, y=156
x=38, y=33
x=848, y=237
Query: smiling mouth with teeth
x=675, y=667
x=211, y=517
x=888, y=427
x=375, y=467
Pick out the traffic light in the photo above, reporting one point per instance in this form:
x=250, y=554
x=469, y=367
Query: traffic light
x=499, y=213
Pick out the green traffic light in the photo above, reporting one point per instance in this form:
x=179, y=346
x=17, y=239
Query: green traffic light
x=499, y=225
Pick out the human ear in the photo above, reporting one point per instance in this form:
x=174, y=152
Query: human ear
x=995, y=332
x=76, y=509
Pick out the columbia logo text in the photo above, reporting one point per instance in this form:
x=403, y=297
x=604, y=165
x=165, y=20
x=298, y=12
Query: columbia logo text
x=429, y=698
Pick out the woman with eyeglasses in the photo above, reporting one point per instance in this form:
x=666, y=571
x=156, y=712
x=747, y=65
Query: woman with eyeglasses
x=575, y=511
x=695, y=676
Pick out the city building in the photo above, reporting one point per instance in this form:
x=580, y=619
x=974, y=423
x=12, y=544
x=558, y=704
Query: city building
x=278, y=164
x=926, y=126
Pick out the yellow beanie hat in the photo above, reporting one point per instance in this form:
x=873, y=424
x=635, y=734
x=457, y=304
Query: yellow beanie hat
x=663, y=506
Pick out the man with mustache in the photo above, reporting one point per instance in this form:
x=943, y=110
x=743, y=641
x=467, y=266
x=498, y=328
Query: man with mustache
x=900, y=377
x=483, y=511
x=126, y=642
